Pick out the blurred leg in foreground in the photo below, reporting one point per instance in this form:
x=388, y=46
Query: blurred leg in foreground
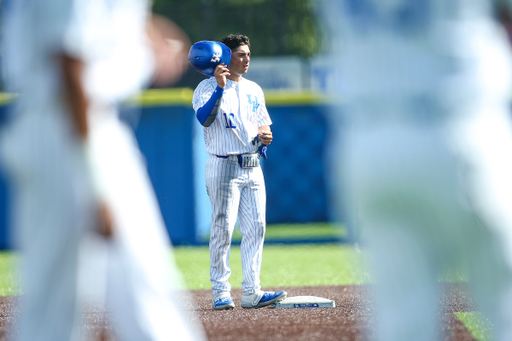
x=426, y=153
x=76, y=168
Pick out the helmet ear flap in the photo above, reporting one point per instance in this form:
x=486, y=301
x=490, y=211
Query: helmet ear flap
x=205, y=55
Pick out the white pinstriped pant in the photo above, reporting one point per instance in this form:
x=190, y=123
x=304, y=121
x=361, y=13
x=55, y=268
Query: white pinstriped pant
x=235, y=191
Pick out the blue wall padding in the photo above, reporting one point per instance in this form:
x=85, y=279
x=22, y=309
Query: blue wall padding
x=295, y=169
x=4, y=212
x=5, y=111
x=165, y=138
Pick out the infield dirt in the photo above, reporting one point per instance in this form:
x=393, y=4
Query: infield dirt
x=346, y=322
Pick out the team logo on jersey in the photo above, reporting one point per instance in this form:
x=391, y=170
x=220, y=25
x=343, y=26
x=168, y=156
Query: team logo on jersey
x=215, y=58
x=254, y=101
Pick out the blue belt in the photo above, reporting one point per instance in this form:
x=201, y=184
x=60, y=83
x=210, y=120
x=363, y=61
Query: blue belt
x=222, y=156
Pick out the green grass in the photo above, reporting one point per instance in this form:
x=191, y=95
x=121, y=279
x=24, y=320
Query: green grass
x=477, y=324
x=9, y=281
x=298, y=232
x=282, y=266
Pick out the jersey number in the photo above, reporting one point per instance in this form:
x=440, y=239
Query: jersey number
x=229, y=121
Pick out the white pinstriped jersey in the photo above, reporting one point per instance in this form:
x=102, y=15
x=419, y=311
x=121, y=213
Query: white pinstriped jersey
x=242, y=111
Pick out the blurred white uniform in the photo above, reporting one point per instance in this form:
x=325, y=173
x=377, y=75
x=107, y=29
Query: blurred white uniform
x=427, y=152
x=54, y=195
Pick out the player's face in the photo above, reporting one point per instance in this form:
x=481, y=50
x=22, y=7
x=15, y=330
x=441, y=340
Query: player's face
x=240, y=61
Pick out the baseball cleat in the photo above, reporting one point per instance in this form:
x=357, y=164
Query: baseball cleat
x=223, y=303
x=262, y=299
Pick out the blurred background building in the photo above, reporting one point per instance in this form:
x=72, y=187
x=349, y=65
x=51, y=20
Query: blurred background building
x=286, y=38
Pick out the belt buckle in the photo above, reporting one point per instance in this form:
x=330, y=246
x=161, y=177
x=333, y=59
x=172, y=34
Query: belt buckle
x=249, y=160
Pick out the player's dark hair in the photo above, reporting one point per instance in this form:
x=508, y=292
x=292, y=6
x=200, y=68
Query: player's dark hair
x=233, y=41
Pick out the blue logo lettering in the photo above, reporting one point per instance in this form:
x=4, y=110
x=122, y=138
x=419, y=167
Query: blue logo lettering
x=254, y=102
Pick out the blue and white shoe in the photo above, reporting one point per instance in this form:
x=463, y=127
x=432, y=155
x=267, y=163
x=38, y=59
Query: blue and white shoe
x=262, y=299
x=223, y=303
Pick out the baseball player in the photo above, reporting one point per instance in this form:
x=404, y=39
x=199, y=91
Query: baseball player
x=427, y=152
x=76, y=168
x=236, y=131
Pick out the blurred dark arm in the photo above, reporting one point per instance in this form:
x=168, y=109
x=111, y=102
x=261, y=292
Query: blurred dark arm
x=72, y=69
x=504, y=15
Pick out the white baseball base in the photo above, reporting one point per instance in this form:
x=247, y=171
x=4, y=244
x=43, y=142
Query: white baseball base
x=305, y=302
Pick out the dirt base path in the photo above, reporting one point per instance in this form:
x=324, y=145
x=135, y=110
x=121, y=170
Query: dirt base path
x=347, y=321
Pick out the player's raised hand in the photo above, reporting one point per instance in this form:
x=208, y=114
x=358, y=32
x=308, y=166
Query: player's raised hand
x=220, y=73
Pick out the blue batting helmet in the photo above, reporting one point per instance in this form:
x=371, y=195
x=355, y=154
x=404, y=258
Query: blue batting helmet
x=205, y=55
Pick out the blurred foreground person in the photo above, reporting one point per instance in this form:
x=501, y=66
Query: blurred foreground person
x=427, y=153
x=76, y=168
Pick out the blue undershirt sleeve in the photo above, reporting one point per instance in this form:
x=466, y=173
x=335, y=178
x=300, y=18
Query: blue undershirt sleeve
x=208, y=112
